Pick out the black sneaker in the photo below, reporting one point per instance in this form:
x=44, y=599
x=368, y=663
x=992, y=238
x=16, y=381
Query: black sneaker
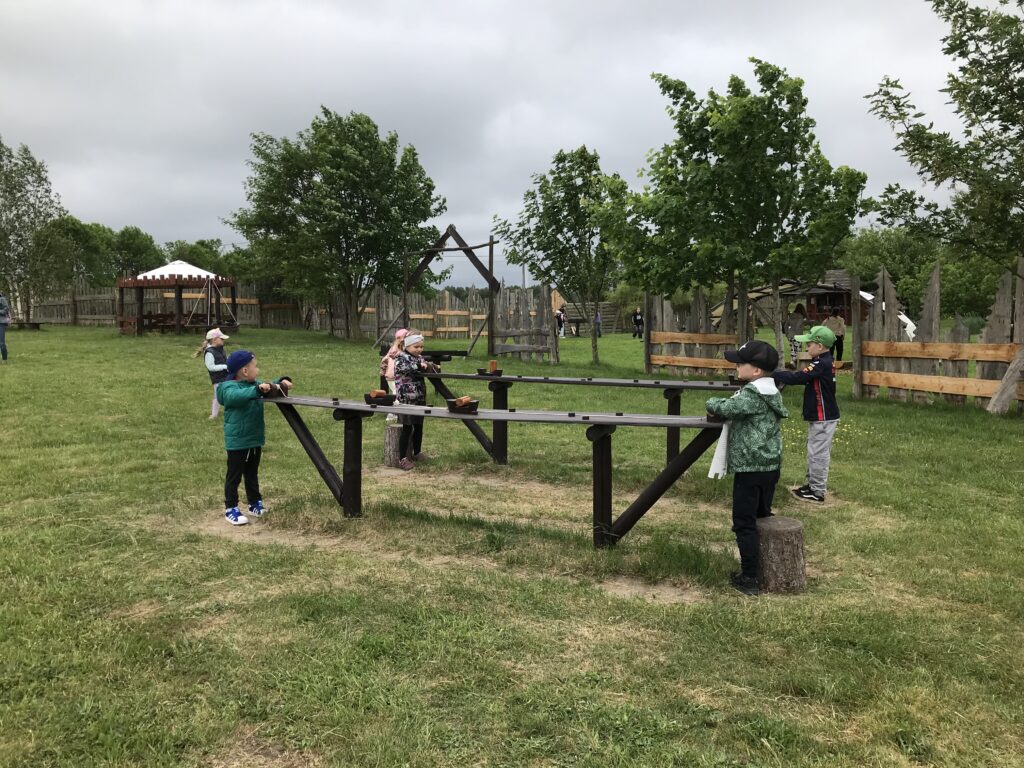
x=809, y=495
x=745, y=584
x=801, y=489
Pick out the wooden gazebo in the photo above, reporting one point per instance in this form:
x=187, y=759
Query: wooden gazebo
x=179, y=283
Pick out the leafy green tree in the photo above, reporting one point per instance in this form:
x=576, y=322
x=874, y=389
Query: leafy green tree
x=74, y=249
x=134, y=251
x=205, y=254
x=27, y=204
x=336, y=210
x=743, y=193
x=572, y=229
x=983, y=167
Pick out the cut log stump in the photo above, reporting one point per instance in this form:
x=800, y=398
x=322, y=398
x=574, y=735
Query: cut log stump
x=781, y=542
x=392, y=433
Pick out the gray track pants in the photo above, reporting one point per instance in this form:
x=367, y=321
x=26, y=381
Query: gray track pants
x=819, y=453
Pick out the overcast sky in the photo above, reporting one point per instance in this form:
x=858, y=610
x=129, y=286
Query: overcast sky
x=143, y=109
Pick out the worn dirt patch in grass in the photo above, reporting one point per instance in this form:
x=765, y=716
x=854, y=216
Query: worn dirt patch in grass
x=261, y=532
x=250, y=751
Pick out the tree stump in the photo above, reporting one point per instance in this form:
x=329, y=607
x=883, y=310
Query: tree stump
x=781, y=548
x=392, y=433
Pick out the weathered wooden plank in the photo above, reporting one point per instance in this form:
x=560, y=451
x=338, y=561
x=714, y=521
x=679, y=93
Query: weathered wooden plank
x=669, y=337
x=940, y=350
x=453, y=312
x=510, y=348
x=1000, y=402
x=692, y=362
x=946, y=385
x=422, y=316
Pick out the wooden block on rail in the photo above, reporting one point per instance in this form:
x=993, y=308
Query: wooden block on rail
x=781, y=554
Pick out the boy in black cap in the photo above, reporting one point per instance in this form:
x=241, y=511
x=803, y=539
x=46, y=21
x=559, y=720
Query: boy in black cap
x=821, y=411
x=753, y=448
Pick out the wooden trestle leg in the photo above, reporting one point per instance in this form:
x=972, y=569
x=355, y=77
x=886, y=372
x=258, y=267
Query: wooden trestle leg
x=499, y=429
x=313, y=450
x=472, y=426
x=352, y=462
x=601, y=437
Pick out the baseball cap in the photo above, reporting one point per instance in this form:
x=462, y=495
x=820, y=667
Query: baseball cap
x=238, y=360
x=759, y=353
x=216, y=333
x=818, y=333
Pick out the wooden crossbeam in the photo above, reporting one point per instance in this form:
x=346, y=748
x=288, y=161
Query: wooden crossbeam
x=421, y=317
x=189, y=296
x=945, y=385
x=691, y=362
x=671, y=337
x=452, y=329
x=1000, y=353
x=453, y=312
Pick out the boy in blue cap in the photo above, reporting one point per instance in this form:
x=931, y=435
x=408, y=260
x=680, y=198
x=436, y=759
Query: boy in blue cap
x=244, y=433
x=821, y=411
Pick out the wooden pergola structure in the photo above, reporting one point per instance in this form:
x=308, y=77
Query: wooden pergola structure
x=209, y=289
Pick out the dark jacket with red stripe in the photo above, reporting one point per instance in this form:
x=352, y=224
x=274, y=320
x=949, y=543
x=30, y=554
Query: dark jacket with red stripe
x=819, y=380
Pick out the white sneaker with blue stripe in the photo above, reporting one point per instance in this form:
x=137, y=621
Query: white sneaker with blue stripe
x=235, y=517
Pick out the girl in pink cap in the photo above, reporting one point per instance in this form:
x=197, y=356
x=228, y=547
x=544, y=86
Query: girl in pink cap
x=387, y=365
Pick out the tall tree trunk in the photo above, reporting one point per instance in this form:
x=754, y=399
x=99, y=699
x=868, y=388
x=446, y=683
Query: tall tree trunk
x=742, y=324
x=593, y=333
x=727, y=325
x=777, y=318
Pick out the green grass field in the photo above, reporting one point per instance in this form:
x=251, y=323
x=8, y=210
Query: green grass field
x=465, y=620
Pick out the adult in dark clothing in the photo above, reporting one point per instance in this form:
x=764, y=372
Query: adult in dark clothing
x=638, y=324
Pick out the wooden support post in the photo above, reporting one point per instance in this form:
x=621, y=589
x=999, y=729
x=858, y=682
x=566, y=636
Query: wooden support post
x=313, y=450
x=140, y=296
x=352, y=462
x=672, y=433
x=179, y=310
x=493, y=293
x=234, y=304
x=499, y=429
x=781, y=554
x=693, y=451
x=217, y=303
x=120, y=319
x=647, y=332
x=855, y=333
x=601, y=437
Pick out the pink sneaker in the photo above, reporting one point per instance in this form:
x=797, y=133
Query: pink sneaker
x=406, y=465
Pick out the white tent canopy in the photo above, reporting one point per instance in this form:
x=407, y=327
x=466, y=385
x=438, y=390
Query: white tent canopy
x=182, y=268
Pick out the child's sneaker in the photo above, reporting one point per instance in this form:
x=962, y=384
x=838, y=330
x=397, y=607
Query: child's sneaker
x=745, y=584
x=257, y=509
x=406, y=465
x=801, y=489
x=809, y=495
x=235, y=517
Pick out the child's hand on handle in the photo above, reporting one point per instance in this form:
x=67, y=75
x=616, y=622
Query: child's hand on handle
x=286, y=384
x=265, y=387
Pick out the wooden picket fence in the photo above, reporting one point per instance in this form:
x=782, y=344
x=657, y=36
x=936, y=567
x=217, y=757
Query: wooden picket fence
x=697, y=352
x=931, y=366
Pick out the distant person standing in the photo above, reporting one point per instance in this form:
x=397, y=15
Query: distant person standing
x=597, y=322
x=837, y=325
x=795, y=323
x=560, y=319
x=638, y=324
x=5, y=320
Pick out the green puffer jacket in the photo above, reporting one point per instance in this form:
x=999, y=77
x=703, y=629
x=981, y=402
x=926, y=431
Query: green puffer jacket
x=755, y=438
x=243, y=414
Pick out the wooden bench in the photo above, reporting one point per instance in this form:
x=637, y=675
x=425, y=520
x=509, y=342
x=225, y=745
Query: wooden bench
x=26, y=325
x=347, y=489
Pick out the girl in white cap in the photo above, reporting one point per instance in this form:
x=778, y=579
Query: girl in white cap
x=411, y=390
x=216, y=363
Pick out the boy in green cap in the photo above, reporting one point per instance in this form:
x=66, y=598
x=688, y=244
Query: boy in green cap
x=821, y=411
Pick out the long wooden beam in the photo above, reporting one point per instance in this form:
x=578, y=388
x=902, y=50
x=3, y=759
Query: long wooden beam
x=946, y=385
x=940, y=350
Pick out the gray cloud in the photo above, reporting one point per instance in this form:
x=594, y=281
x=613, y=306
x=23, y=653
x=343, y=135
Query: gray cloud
x=143, y=110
